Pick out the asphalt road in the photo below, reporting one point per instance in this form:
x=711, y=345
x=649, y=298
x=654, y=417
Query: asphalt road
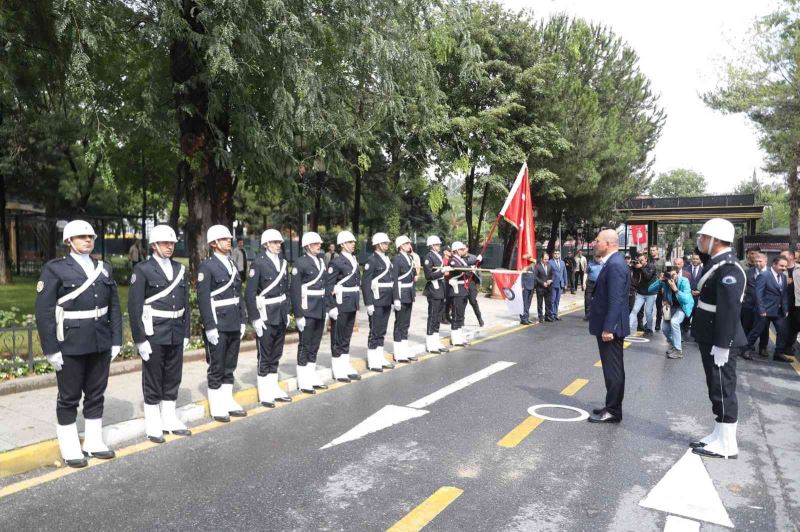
x=268, y=472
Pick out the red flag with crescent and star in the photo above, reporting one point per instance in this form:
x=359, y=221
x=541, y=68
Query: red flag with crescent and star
x=518, y=211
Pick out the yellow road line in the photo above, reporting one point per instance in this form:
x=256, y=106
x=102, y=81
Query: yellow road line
x=574, y=387
x=598, y=364
x=626, y=345
x=520, y=432
x=423, y=514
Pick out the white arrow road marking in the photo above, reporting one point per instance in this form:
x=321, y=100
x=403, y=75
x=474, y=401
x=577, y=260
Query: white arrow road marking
x=679, y=524
x=687, y=490
x=392, y=415
x=459, y=384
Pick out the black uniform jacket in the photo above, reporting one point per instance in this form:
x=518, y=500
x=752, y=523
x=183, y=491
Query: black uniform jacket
x=306, y=270
x=263, y=274
x=375, y=266
x=149, y=279
x=341, y=268
x=716, y=318
x=81, y=336
x=403, y=272
x=435, y=286
x=211, y=275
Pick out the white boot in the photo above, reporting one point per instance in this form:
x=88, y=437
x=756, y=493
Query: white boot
x=442, y=348
x=275, y=389
x=399, y=352
x=170, y=421
x=339, y=371
x=93, y=444
x=316, y=379
x=408, y=352
x=234, y=408
x=455, y=337
x=152, y=424
x=304, y=382
x=217, y=405
x=352, y=374
x=264, y=394
x=725, y=446
x=70, y=445
x=384, y=363
x=374, y=360
x=431, y=344
x=705, y=440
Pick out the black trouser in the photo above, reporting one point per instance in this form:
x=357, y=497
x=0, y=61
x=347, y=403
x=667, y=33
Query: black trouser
x=447, y=311
x=527, y=299
x=721, y=384
x=459, y=308
x=341, y=333
x=402, y=320
x=435, y=307
x=749, y=318
x=579, y=280
x=222, y=358
x=760, y=330
x=587, y=297
x=85, y=375
x=659, y=308
x=613, y=373
x=792, y=328
x=570, y=281
x=378, y=323
x=543, y=298
x=161, y=374
x=310, y=339
x=472, y=297
x=270, y=349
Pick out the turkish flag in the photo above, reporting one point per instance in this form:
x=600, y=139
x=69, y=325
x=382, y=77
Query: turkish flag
x=638, y=234
x=510, y=286
x=518, y=211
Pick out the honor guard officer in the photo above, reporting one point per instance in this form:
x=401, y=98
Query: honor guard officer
x=404, y=275
x=472, y=284
x=459, y=293
x=342, y=285
x=376, y=288
x=717, y=328
x=308, y=304
x=269, y=307
x=222, y=311
x=158, y=302
x=80, y=328
x=435, y=291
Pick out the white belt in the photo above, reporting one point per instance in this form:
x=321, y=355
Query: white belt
x=148, y=313
x=262, y=302
x=305, y=292
x=406, y=285
x=706, y=306
x=62, y=315
x=171, y=314
x=339, y=290
x=216, y=303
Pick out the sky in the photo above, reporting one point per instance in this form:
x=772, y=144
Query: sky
x=683, y=46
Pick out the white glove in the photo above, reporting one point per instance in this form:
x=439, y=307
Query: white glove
x=446, y=269
x=185, y=343
x=145, y=350
x=258, y=325
x=397, y=305
x=115, y=349
x=370, y=309
x=212, y=336
x=720, y=355
x=241, y=331
x=56, y=360
x=287, y=321
x=479, y=258
x=334, y=313
x=301, y=324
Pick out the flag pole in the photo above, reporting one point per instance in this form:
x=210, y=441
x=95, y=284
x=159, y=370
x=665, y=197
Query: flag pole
x=485, y=245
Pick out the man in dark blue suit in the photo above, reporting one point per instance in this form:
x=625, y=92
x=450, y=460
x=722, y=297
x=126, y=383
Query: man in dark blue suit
x=772, y=300
x=693, y=271
x=608, y=321
x=559, y=282
x=528, y=285
x=749, y=316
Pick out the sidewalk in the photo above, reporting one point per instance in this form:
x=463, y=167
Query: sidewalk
x=28, y=418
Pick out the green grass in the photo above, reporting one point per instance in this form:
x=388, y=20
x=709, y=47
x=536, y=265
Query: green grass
x=22, y=295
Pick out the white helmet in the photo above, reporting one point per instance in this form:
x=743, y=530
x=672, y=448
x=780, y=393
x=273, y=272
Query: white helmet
x=718, y=228
x=217, y=232
x=271, y=235
x=162, y=233
x=380, y=238
x=432, y=240
x=344, y=237
x=400, y=240
x=311, y=238
x=78, y=228
x=457, y=245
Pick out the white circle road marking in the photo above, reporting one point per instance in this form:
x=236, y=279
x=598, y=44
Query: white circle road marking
x=582, y=414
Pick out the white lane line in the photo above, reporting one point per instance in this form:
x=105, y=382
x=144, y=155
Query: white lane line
x=679, y=524
x=687, y=490
x=460, y=384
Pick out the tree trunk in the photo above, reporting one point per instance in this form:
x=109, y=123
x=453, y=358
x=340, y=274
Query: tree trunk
x=792, y=178
x=469, y=190
x=551, y=244
x=317, y=207
x=182, y=172
x=357, y=202
x=5, y=258
x=482, y=213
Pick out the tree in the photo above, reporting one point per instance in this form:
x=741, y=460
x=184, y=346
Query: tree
x=678, y=182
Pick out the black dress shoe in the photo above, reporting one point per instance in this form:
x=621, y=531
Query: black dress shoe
x=605, y=417
x=354, y=377
x=102, y=455
x=556, y=318
x=598, y=411
x=444, y=349
x=403, y=361
x=343, y=379
x=376, y=370
x=763, y=353
x=781, y=358
x=586, y=318
x=320, y=386
x=747, y=354
x=180, y=432
x=221, y=419
x=77, y=463
x=156, y=439
x=284, y=399
x=237, y=413
x=311, y=391
x=549, y=320
x=388, y=365
x=268, y=404
x=541, y=320
x=697, y=444
x=480, y=322
x=702, y=451
x=412, y=358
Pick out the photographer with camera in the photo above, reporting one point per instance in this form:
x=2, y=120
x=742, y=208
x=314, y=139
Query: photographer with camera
x=644, y=274
x=678, y=302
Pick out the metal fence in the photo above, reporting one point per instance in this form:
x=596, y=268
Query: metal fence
x=19, y=347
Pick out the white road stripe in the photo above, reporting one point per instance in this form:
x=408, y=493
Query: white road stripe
x=460, y=384
x=679, y=524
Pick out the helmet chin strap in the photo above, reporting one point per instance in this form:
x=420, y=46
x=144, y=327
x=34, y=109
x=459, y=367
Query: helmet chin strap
x=74, y=249
x=158, y=251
